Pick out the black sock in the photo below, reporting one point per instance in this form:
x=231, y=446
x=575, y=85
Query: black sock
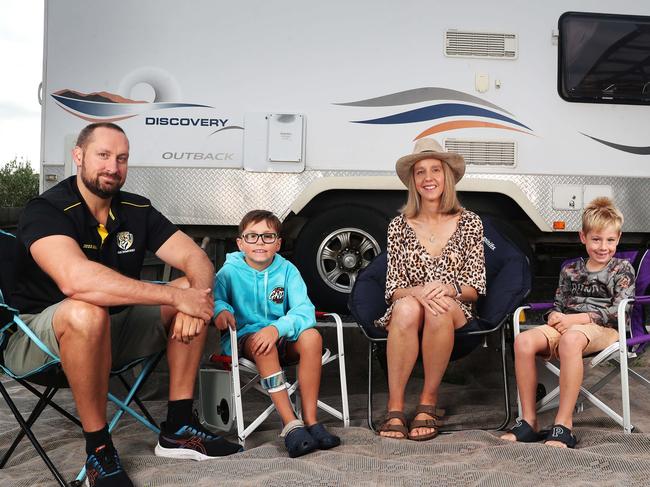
x=95, y=439
x=179, y=413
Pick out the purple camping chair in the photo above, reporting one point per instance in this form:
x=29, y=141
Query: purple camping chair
x=635, y=337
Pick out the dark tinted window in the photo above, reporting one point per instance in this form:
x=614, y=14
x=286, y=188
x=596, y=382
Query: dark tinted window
x=604, y=58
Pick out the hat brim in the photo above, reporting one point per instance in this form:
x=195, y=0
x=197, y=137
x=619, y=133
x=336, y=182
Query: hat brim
x=454, y=161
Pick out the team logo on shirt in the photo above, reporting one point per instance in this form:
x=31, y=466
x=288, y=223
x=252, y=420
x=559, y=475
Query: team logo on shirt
x=124, y=240
x=277, y=295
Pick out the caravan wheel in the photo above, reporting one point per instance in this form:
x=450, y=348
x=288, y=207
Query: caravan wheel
x=331, y=250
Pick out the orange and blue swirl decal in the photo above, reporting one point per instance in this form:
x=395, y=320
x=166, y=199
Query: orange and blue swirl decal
x=108, y=107
x=450, y=110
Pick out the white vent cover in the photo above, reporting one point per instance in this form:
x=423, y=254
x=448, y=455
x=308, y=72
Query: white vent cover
x=480, y=44
x=484, y=153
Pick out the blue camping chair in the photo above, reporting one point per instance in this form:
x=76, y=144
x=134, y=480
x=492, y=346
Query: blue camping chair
x=51, y=375
x=633, y=338
x=508, y=284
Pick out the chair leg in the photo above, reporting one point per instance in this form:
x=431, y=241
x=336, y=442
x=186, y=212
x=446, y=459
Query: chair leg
x=36, y=412
x=50, y=403
x=506, y=388
x=625, y=390
x=236, y=390
x=137, y=400
x=371, y=350
x=37, y=446
x=123, y=406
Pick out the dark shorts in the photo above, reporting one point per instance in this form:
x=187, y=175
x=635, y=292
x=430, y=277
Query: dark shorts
x=281, y=345
x=136, y=332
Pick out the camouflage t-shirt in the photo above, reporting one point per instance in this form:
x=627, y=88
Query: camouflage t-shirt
x=595, y=293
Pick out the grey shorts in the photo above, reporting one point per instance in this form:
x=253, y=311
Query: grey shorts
x=136, y=332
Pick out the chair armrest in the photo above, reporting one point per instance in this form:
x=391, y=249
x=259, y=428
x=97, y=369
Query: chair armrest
x=622, y=322
x=26, y=330
x=516, y=325
x=340, y=348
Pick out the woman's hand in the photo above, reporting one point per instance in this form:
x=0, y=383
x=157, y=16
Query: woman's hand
x=436, y=306
x=436, y=289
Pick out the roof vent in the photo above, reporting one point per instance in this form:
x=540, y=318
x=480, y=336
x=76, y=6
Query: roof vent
x=480, y=44
x=484, y=153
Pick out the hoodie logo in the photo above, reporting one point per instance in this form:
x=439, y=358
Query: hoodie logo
x=277, y=295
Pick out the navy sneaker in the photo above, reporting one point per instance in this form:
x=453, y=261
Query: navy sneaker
x=194, y=442
x=103, y=469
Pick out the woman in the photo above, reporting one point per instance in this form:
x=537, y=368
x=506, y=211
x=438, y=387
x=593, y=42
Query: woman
x=436, y=270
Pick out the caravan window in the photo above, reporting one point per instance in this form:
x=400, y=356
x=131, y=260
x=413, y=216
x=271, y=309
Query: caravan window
x=604, y=58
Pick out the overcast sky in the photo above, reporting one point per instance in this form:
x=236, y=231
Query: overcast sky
x=21, y=53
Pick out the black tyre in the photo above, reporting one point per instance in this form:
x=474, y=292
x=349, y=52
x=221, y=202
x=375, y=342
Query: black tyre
x=331, y=249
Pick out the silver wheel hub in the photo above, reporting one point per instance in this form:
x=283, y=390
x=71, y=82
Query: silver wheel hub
x=342, y=254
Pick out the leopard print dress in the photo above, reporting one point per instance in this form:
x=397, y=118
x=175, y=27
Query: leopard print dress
x=461, y=259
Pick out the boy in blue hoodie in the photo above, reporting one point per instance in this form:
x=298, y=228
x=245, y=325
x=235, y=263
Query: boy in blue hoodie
x=263, y=296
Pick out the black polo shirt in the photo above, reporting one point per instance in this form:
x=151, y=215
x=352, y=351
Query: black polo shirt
x=133, y=226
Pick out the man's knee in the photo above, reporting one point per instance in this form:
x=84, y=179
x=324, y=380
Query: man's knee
x=81, y=318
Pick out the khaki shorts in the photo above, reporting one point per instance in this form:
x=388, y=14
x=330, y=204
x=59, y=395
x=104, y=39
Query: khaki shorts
x=136, y=332
x=599, y=337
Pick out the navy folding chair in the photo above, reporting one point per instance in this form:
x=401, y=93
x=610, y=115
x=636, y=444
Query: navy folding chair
x=51, y=375
x=508, y=284
x=632, y=341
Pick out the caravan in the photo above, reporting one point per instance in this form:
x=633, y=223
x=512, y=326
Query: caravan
x=303, y=108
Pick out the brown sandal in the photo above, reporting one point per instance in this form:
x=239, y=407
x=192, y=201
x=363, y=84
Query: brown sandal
x=433, y=423
x=397, y=428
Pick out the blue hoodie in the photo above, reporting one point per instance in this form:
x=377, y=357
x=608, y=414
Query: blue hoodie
x=277, y=295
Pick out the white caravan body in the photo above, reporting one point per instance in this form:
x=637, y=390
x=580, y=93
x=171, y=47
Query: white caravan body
x=231, y=106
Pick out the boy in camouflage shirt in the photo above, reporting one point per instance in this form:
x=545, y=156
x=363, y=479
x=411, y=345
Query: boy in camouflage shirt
x=583, y=320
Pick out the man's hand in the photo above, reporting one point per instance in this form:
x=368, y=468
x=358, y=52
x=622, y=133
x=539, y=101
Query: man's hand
x=186, y=327
x=195, y=302
x=224, y=320
x=264, y=340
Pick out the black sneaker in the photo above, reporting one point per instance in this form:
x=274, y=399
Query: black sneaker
x=194, y=442
x=103, y=469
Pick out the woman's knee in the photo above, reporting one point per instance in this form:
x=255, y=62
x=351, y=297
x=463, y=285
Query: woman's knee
x=439, y=321
x=407, y=314
x=80, y=317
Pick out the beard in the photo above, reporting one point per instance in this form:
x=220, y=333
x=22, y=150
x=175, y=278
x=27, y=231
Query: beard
x=96, y=188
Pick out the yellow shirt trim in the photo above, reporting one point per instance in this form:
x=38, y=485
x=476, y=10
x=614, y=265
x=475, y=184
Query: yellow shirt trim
x=72, y=206
x=103, y=233
x=133, y=204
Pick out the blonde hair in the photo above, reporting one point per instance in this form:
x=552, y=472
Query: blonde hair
x=601, y=213
x=449, y=203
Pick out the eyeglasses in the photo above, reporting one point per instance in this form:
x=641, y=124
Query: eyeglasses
x=267, y=238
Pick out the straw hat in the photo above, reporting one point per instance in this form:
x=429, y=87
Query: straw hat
x=428, y=148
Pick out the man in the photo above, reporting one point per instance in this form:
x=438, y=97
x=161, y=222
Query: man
x=77, y=283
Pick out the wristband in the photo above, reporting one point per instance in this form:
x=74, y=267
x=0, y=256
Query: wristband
x=459, y=291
